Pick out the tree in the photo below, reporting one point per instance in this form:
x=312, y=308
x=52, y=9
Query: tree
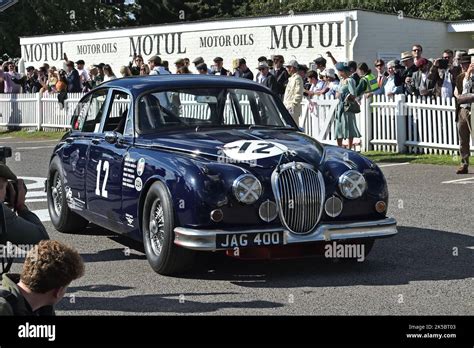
x=31, y=17
x=426, y=9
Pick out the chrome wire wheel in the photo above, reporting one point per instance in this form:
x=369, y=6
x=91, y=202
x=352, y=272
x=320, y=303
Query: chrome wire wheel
x=57, y=194
x=156, y=227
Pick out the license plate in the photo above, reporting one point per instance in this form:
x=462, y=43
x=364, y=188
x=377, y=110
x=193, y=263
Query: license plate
x=244, y=240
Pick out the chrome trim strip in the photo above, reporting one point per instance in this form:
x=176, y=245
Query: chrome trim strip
x=205, y=240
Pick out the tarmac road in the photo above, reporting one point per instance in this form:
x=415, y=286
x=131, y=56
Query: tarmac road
x=427, y=269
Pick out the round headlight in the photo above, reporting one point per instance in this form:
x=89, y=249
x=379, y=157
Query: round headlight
x=352, y=184
x=247, y=189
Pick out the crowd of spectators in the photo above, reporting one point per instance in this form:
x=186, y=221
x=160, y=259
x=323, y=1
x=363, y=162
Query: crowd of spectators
x=412, y=74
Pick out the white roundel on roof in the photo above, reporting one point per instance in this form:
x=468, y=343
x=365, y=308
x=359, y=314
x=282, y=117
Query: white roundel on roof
x=247, y=150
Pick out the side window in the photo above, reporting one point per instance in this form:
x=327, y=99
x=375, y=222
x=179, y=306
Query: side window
x=117, y=117
x=80, y=113
x=89, y=120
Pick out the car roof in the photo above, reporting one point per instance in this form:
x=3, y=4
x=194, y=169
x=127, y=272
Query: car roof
x=140, y=84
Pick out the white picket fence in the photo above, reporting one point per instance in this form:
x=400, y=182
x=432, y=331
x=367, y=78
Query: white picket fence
x=399, y=124
x=411, y=124
x=36, y=110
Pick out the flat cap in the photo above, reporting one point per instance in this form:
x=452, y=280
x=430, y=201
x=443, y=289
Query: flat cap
x=198, y=60
x=320, y=61
x=292, y=63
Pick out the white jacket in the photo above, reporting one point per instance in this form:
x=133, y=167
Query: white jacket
x=294, y=96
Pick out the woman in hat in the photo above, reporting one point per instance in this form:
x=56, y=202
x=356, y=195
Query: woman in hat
x=345, y=124
x=331, y=81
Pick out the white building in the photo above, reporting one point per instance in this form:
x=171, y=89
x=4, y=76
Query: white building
x=350, y=35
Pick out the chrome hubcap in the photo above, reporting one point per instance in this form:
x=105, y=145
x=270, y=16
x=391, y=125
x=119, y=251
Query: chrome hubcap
x=156, y=227
x=57, y=194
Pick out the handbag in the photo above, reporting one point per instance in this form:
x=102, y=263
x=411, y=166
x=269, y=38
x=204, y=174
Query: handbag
x=351, y=106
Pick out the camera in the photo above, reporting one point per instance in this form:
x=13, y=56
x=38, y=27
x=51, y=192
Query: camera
x=5, y=152
x=443, y=63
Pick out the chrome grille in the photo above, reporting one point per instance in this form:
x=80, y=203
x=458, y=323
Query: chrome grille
x=299, y=191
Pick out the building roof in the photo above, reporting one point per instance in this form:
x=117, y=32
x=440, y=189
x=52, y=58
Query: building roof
x=140, y=84
x=232, y=20
x=461, y=26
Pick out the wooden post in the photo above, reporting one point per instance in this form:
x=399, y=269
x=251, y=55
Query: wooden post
x=39, y=111
x=401, y=122
x=366, y=124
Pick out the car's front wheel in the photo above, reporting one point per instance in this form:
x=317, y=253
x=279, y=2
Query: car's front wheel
x=63, y=219
x=158, y=224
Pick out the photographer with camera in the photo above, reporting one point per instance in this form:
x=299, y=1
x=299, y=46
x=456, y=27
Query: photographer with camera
x=22, y=225
x=444, y=74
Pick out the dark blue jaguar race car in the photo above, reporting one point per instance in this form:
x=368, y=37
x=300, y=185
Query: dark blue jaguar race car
x=189, y=163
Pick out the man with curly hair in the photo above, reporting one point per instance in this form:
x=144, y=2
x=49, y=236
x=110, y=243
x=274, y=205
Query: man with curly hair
x=48, y=270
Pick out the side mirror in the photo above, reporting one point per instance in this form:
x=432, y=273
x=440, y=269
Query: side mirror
x=112, y=137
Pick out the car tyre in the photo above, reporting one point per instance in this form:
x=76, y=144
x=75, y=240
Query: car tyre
x=63, y=218
x=158, y=223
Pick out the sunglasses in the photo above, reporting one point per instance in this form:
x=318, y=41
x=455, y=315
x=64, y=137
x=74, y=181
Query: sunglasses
x=379, y=65
x=416, y=50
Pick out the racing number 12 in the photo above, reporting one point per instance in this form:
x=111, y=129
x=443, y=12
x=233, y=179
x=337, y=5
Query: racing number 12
x=99, y=170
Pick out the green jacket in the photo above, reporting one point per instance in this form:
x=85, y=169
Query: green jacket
x=24, y=228
x=21, y=307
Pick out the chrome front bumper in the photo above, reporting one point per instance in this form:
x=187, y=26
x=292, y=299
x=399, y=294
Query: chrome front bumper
x=205, y=240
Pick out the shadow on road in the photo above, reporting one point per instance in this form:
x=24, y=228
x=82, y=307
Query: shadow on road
x=112, y=255
x=97, y=288
x=160, y=303
x=415, y=254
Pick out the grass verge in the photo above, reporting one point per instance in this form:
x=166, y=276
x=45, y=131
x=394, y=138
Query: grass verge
x=26, y=134
x=387, y=157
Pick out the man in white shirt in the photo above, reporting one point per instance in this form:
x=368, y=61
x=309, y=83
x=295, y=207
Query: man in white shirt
x=83, y=73
x=444, y=73
x=156, y=67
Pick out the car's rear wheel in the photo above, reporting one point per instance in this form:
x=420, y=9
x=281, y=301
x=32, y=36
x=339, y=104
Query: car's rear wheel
x=158, y=224
x=63, y=219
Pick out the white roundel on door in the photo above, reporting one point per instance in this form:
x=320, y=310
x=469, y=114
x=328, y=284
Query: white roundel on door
x=247, y=150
